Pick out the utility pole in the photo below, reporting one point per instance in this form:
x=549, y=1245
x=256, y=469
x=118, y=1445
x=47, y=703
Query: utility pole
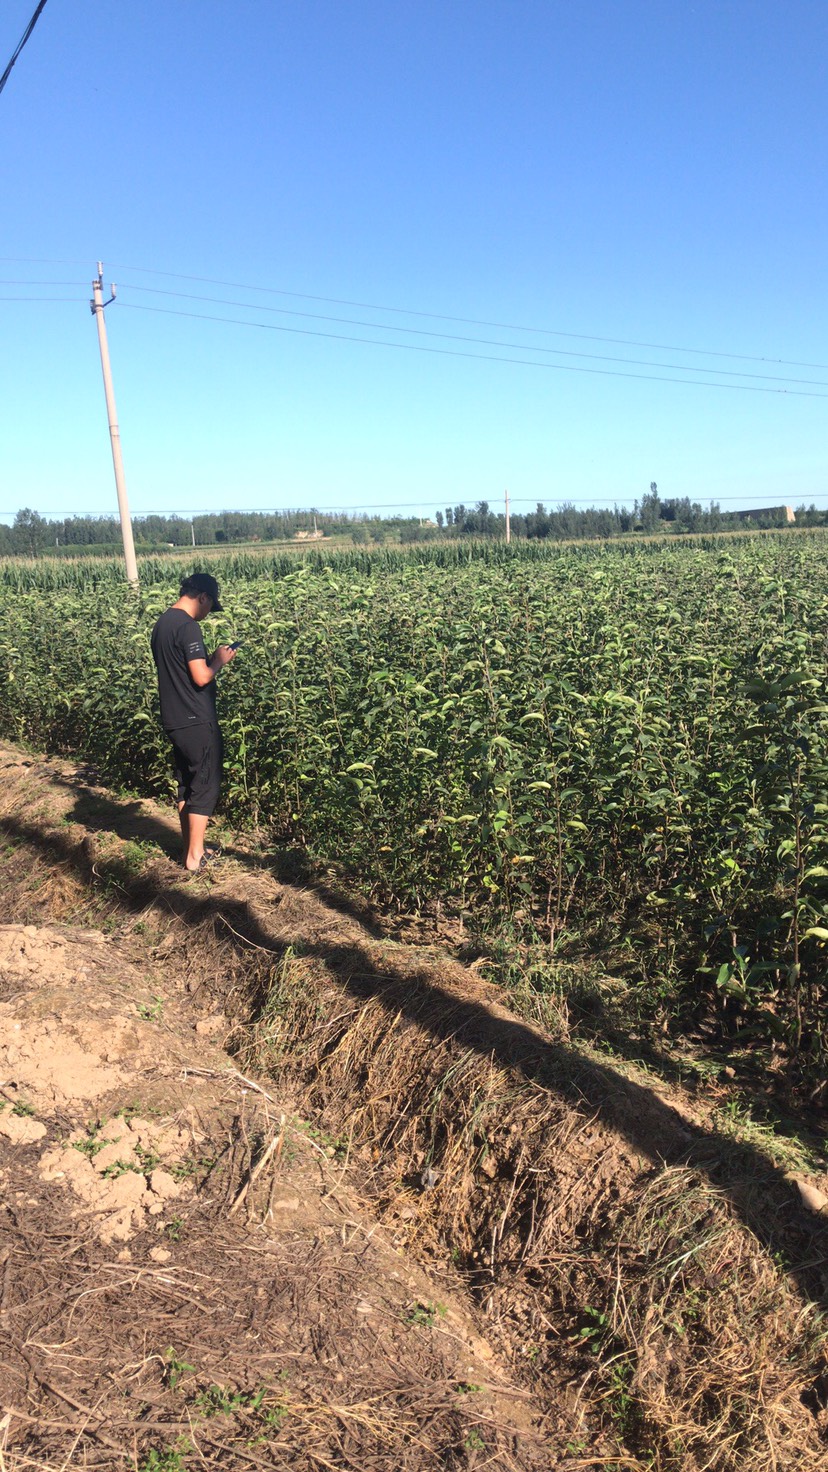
x=97, y=308
x=508, y=521
x=192, y=529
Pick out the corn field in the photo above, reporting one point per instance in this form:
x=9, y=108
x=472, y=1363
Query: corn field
x=610, y=745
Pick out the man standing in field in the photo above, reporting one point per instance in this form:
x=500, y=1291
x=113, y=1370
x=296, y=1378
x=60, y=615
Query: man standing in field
x=187, y=689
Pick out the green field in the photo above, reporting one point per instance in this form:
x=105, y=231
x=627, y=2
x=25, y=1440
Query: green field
x=620, y=749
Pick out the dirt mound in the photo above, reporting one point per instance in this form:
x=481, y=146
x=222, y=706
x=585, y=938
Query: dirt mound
x=653, y=1281
x=71, y=1041
x=185, y=1279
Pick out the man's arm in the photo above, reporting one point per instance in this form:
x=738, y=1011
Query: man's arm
x=203, y=671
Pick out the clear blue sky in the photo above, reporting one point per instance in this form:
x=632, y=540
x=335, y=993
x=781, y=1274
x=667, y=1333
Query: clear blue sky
x=650, y=170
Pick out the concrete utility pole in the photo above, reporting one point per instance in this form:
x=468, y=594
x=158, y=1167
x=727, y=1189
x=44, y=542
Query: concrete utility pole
x=508, y=520
x=97, y=308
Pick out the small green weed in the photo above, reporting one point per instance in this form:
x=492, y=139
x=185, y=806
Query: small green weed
x=118, y=1168
x=271, y=1420
x=23, y=1109
x=134, y=855
x=333, y=1145
x=147, y=1159
x=91, y=1145
x=474, y=1441
x=190, y=1165
x=275, y=1417
x=136, y=1110
x=174, y=1228
x=624, y=1409
x=151, y=1011
x=594, y=1333
x=168, y=1459
x=424, y=1315
x=217, y=1400
x=175, y=1369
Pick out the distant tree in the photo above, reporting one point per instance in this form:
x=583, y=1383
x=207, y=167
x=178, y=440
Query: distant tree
x=30, y=531
x=650, y=510
x=438, y=516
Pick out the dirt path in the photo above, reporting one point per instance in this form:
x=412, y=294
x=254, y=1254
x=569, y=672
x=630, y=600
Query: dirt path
x=460, y=1245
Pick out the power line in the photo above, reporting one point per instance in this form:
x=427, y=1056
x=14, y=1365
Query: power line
x=443, y=336
x=453, y=337
x=467, y=321
x=596, y=504
x=410, y=347
x=434, y=316
x=21, y=43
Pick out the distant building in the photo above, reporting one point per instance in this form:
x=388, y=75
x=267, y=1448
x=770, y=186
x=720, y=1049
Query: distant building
x=785, y=513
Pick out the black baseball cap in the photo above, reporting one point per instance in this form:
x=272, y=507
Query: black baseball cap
x=202, y=582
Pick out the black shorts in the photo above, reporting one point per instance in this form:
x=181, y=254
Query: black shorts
x=198, y=753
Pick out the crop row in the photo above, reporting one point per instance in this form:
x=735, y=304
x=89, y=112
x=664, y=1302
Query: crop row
x=53, y=573
x=600, y=745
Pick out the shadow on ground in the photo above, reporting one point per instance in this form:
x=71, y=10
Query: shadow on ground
x=767, y=1203
x=130, y=820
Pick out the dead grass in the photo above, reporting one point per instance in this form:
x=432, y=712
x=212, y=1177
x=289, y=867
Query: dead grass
x=638, y=1280
x=130, y=1367
x=658, y=1276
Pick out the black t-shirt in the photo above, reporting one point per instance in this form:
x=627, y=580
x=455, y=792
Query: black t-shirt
x=176, y=639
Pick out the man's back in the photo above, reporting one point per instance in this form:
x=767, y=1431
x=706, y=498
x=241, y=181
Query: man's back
x=176, y=639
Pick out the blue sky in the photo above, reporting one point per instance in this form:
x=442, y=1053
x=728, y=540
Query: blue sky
x=640, y=170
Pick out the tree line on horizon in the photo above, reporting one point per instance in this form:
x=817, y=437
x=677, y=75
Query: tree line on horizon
x=33, y=535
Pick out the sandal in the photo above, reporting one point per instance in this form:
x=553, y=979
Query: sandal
x=207, y=859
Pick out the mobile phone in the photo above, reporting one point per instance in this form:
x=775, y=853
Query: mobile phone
x=237, y=645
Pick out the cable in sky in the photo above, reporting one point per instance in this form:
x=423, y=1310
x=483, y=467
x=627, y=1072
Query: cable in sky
x=443, y=317
x=411, y=347
x=479, y=341
x=21, y=43
x=595, y=504
x=433, y=316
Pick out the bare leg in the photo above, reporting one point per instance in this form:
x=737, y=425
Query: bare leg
x=197, y=825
